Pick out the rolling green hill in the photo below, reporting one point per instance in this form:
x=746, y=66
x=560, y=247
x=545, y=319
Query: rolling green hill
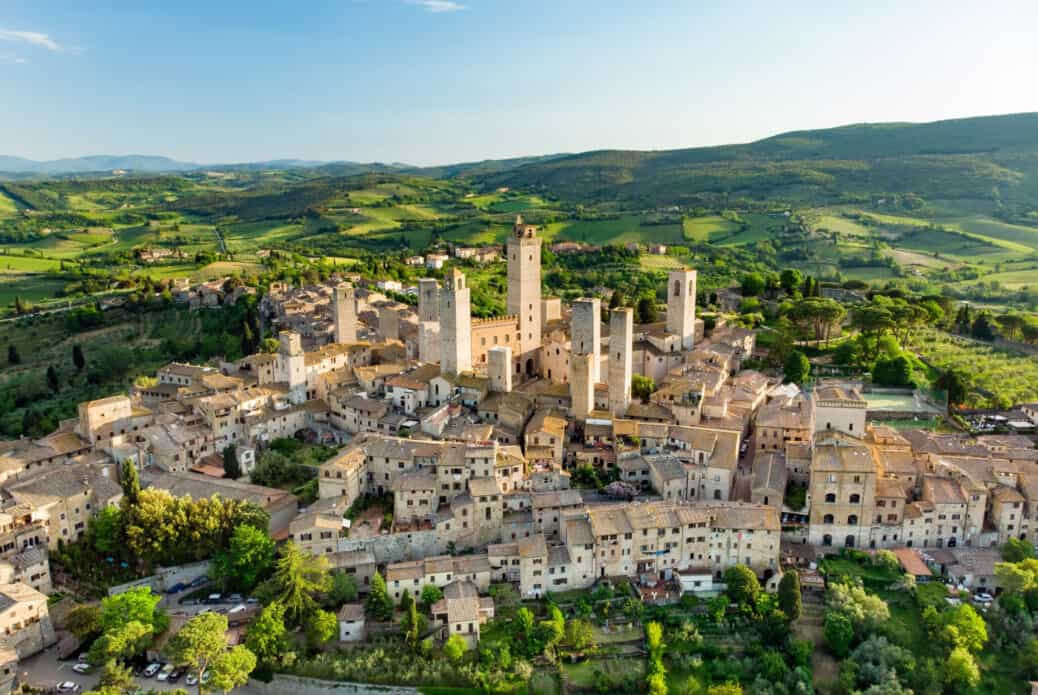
x=963, y=159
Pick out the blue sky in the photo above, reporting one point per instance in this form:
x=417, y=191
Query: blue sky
x=436, y=81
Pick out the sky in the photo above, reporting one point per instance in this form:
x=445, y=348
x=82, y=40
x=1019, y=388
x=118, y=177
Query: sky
x=440, y=81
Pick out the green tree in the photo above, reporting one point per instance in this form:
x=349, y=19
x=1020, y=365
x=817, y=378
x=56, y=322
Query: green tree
x=645, y=311
x=120, y=642
x=412, y=625
x=430, y=595
x=379, y=604
x=753, y=285
x=344, y=590
x=455, y=648
x=247, y=560
x=796, y=368
x=960, y=670
x=406, y=601
x=579, y=634
x=642, y=387
x=135, y=605
x=231, y=669
x=553, y=628
x=116, y=675
x=267, y=634
x=53, y=382
x=839, y=633
x=77, y=357
x=789, y=597
x=963, y=627
x=1017, y=550
x=12, y=355
x=729, y=688
x=199, y=642
x=791, y=279
x=84, y=620
x=321, y=626
x=231, y=468
x=131, y=484
x=741, y=585
x=105, y=531
x=299, y=577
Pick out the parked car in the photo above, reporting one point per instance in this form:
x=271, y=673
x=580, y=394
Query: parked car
x=166, y=670
x=983, y=597
x=152, y=669
x=82, y=667
x=234, y=598
x=192, y=679
x=198, y=581
x=175, y=675
x=82, y=658
x=214, y=598
x=68, y=687
x=176, y=588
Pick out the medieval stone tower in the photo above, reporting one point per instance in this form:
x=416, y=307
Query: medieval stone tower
x=455, y=325
x=499, y=368
x=524, y=292
x=344, y=306
x=681, y=306
x=428, y=320
x=586, y=332
x=293, y=365
x=621, y=336
x=581, y=387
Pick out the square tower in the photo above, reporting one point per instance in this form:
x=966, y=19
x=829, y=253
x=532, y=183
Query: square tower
x=681, y=306
x=586, y=332
x=428, y=300
x=621, y=337
x=581, y=388
x=499, y=368
x=345, y=307
x=524, y=292
x=455, y=325
x=293, y=365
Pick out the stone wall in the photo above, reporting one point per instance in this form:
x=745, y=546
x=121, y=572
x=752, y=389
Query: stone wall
x=312, y=686
x=397, y=547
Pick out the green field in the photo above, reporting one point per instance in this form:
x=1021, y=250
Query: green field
x=840, y=224
x=708, y=228
x=33, y=288
x=10, y=264
x=620, y=230
x=654, y=262
x=7, y=206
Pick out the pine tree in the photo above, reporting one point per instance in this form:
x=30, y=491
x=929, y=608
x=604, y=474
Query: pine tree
x=789, y=594
x=130, y=482
x=379, y=605
x=77, y=357
x=53, y=382
x=12, y=355
x=411, y=625
x=231, y=468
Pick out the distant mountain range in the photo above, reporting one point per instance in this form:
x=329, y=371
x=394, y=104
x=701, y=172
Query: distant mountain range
x=960, y=158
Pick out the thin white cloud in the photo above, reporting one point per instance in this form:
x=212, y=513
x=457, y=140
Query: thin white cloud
x=32, y=37
x=438, y=6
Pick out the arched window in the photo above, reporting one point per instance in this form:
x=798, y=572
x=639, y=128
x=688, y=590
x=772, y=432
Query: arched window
x=849, y=542
x=677, y=288
x=852, y=520
x=827, y=519
x=855, y=498
x=827, y=539
x=830, y=497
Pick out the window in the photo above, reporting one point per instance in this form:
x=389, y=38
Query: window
x=855, y=499
x=830, y=498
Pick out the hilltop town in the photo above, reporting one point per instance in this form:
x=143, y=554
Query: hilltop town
x=469, y=454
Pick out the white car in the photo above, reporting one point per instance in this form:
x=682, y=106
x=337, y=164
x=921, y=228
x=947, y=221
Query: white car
x=82, y=667
x=191, y=679
x=166, y=670
x=983, y=597
x=68, y=687
x=152, y=669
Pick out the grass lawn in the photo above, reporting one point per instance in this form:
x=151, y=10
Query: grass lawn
x=838, y=223
x=33, y=288
x=27, y=264
x=867, y=274
x=654, y=262
x=582, y=675
x=223, y=268
x=707, y=228
x=7, y=206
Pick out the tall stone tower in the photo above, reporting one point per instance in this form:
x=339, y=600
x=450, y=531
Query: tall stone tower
x=293, y=365
x=681, y=305
x=455, y=325
x=428, y=320
x=499, y=368
x=621, y=348
x=344, y=304
x=428, y=300
x=389, y=323
x=581, y=387
x=524, y=291
x=586, y=332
